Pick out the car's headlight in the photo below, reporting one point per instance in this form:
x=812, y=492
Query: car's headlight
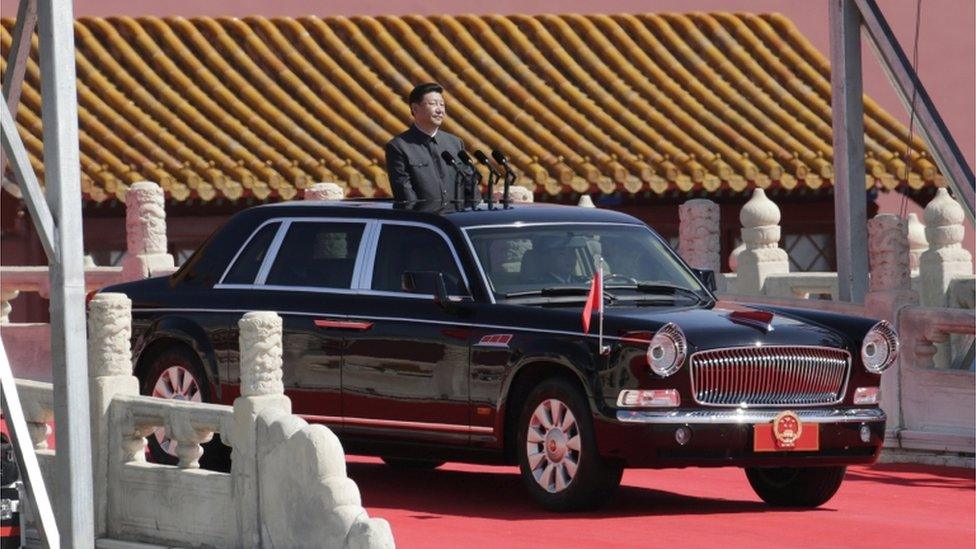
x=666, y=353
x=880, y=347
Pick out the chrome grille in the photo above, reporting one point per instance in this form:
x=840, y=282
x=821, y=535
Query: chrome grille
x=770, y=376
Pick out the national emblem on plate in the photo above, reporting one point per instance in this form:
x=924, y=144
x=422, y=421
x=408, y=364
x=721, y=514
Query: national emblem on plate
x=787, y=428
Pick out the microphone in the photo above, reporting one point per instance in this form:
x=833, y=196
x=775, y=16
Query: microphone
x=509, y=173
x=449, y=158
x=493, y=176
x=474, y=176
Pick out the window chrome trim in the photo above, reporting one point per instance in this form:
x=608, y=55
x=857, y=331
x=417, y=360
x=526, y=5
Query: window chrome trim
x=382, y=318
x=365, y=262
x=272, y=253
x=368, y=276
x=240, y=250
x=276, y=242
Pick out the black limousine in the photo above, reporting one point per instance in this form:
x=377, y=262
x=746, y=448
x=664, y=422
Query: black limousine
x=427, y=336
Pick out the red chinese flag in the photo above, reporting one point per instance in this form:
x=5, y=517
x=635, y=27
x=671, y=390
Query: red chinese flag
x=594, y=301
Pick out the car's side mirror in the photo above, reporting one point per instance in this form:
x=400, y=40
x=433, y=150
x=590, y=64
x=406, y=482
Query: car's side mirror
x=707, y=277
x=428, y=282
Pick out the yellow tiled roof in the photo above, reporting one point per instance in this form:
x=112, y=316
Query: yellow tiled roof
x=226, y=107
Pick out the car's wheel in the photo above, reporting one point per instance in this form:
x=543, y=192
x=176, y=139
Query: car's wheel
x=795, y=486
x=175, y=373
x=412, y=464
x=557, y=451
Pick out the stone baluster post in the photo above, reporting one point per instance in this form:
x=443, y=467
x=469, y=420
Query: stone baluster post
x=699, y=236
x=917, y=243
x=890, y=290
x=760, y=233
x=109, y=374
x=945, y=259
x=261, y=389
x=5, y=307
x=586, y=201
x=518, y=193
x=145, y=232
x=324, y=191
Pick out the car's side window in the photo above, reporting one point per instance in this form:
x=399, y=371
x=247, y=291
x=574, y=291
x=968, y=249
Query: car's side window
x=404, y=248
x=317, y=254
x=249, y=261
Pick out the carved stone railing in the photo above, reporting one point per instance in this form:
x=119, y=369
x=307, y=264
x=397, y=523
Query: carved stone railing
x=801, y=285
x=185, y=505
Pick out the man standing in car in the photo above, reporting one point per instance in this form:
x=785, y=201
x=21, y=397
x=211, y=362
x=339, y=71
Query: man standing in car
x=413, y=158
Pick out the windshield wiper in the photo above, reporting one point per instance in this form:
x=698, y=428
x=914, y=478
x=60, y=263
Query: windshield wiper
x=663, y=289
x=555, y=291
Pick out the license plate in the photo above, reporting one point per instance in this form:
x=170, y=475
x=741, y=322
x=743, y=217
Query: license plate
x=786, y=433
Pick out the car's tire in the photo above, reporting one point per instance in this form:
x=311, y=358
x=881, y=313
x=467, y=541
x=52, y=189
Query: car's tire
x=795, y=486
x=557, y=451
x=411, y=464
x=175, y=373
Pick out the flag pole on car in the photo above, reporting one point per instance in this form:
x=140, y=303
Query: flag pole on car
x=594, y=300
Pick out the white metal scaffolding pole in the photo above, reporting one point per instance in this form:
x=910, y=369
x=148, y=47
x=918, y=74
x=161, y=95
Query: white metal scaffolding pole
x=62, y=168
x=850, y=200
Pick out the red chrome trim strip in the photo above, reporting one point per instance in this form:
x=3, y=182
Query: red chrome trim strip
x=343, y=324
x=389, y=423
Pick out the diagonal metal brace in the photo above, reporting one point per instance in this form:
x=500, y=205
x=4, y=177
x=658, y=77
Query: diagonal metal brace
x=894, y=61
x=13, y=78
x=29, y=187
x=26, y=458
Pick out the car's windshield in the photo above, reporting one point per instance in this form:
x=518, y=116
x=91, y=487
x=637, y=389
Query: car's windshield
x=522, y=260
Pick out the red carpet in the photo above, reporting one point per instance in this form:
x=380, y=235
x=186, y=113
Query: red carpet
x=470, y=506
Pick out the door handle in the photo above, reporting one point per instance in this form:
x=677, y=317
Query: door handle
x=343, y=324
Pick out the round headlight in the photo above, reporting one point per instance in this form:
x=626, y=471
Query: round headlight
x=880, y=347
x=666, y=353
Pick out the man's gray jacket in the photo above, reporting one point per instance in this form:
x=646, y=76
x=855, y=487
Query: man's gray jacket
x=416, y=169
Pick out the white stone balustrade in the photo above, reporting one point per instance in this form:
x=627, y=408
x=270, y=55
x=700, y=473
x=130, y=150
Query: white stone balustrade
x=186, y=505
x=15, y=280
x=801, y=285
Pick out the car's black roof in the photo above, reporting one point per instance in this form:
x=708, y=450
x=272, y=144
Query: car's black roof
x=419, y=211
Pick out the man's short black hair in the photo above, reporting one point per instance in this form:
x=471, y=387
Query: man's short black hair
x=418, y=93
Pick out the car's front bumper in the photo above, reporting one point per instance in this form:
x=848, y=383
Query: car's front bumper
x=723, y=436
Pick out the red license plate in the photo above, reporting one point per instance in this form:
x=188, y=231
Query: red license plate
x=786, y=435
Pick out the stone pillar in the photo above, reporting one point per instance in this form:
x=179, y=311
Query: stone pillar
x=109, y=374
x=324, y=191
x=145, y=232
x=760, y=233
x=945, y=259
x=698, y=234
x=585, y=201
x=889, y=290
x=917, y=243
x=261, y=389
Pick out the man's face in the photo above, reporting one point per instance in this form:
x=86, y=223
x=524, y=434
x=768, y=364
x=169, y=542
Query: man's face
x=429, y=113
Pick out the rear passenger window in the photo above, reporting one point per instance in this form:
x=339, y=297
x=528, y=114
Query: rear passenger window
x=404, y=248
x=249, y=261
x=317, y=254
